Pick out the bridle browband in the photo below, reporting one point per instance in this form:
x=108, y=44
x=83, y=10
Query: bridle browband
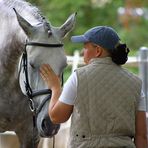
x=44, y=44
x=33, y=93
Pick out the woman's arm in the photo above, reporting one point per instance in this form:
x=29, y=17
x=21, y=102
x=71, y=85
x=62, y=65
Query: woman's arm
x=59, y=112
x=141, y=140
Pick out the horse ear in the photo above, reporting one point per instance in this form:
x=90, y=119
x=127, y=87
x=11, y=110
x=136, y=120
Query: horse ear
x=68, y=25
x=26, y=26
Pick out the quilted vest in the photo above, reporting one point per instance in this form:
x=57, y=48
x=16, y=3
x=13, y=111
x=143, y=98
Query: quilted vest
x=105, y=107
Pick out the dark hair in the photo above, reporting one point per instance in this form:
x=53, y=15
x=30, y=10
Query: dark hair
x=120, y=54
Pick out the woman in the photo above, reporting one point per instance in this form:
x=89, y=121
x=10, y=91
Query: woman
x=104, y=99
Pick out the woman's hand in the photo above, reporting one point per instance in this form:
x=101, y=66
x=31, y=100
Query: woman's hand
x=59, y=112
x=49, y=77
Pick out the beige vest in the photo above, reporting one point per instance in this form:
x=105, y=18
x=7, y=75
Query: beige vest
x=105, y=108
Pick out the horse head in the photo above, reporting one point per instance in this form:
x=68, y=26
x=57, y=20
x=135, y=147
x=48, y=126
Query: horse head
x=43, y=45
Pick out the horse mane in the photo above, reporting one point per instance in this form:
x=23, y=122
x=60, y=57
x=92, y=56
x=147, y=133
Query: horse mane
x=12, y=37
x=24, y=8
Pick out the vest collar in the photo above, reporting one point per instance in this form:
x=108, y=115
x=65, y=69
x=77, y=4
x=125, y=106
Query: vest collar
x=105, y=60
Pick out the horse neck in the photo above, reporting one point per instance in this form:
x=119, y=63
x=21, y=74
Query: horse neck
x=10, y=57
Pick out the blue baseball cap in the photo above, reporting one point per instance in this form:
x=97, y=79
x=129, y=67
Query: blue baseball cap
x=103, y=36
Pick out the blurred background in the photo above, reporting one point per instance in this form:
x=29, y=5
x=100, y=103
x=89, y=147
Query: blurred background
x=128, y=17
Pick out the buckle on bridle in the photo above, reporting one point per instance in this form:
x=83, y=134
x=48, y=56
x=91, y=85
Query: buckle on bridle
x=31, y=105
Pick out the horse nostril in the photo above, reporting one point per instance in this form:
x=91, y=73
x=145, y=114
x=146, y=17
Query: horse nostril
x=48, y=128
x=44, y=125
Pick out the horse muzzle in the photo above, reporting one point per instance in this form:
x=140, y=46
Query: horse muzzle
x=44, y=125
x=48, y=129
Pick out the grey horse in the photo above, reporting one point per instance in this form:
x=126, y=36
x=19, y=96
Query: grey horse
x=17, y=28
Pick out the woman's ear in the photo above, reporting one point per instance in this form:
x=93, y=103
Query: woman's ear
x=99, y=51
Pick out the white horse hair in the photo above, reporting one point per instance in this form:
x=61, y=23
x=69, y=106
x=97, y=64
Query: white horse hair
x=27, y=23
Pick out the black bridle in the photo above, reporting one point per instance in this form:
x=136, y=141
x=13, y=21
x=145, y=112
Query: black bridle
x=33, y=93
x=43, y=44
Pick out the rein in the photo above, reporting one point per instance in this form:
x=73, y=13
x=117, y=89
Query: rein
x=29, y=92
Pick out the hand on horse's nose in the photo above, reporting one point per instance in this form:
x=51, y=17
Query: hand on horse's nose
x=49, y=77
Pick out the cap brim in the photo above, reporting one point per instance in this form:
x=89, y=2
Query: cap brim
x=79, y=39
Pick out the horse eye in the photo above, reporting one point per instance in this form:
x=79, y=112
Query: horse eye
x=32, y=65
x=49, y=33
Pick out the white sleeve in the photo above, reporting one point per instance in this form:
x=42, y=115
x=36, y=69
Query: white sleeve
x=142, y=102
x=69, y=92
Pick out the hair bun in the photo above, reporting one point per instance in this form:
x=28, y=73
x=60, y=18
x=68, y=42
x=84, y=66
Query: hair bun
x=120, y=54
